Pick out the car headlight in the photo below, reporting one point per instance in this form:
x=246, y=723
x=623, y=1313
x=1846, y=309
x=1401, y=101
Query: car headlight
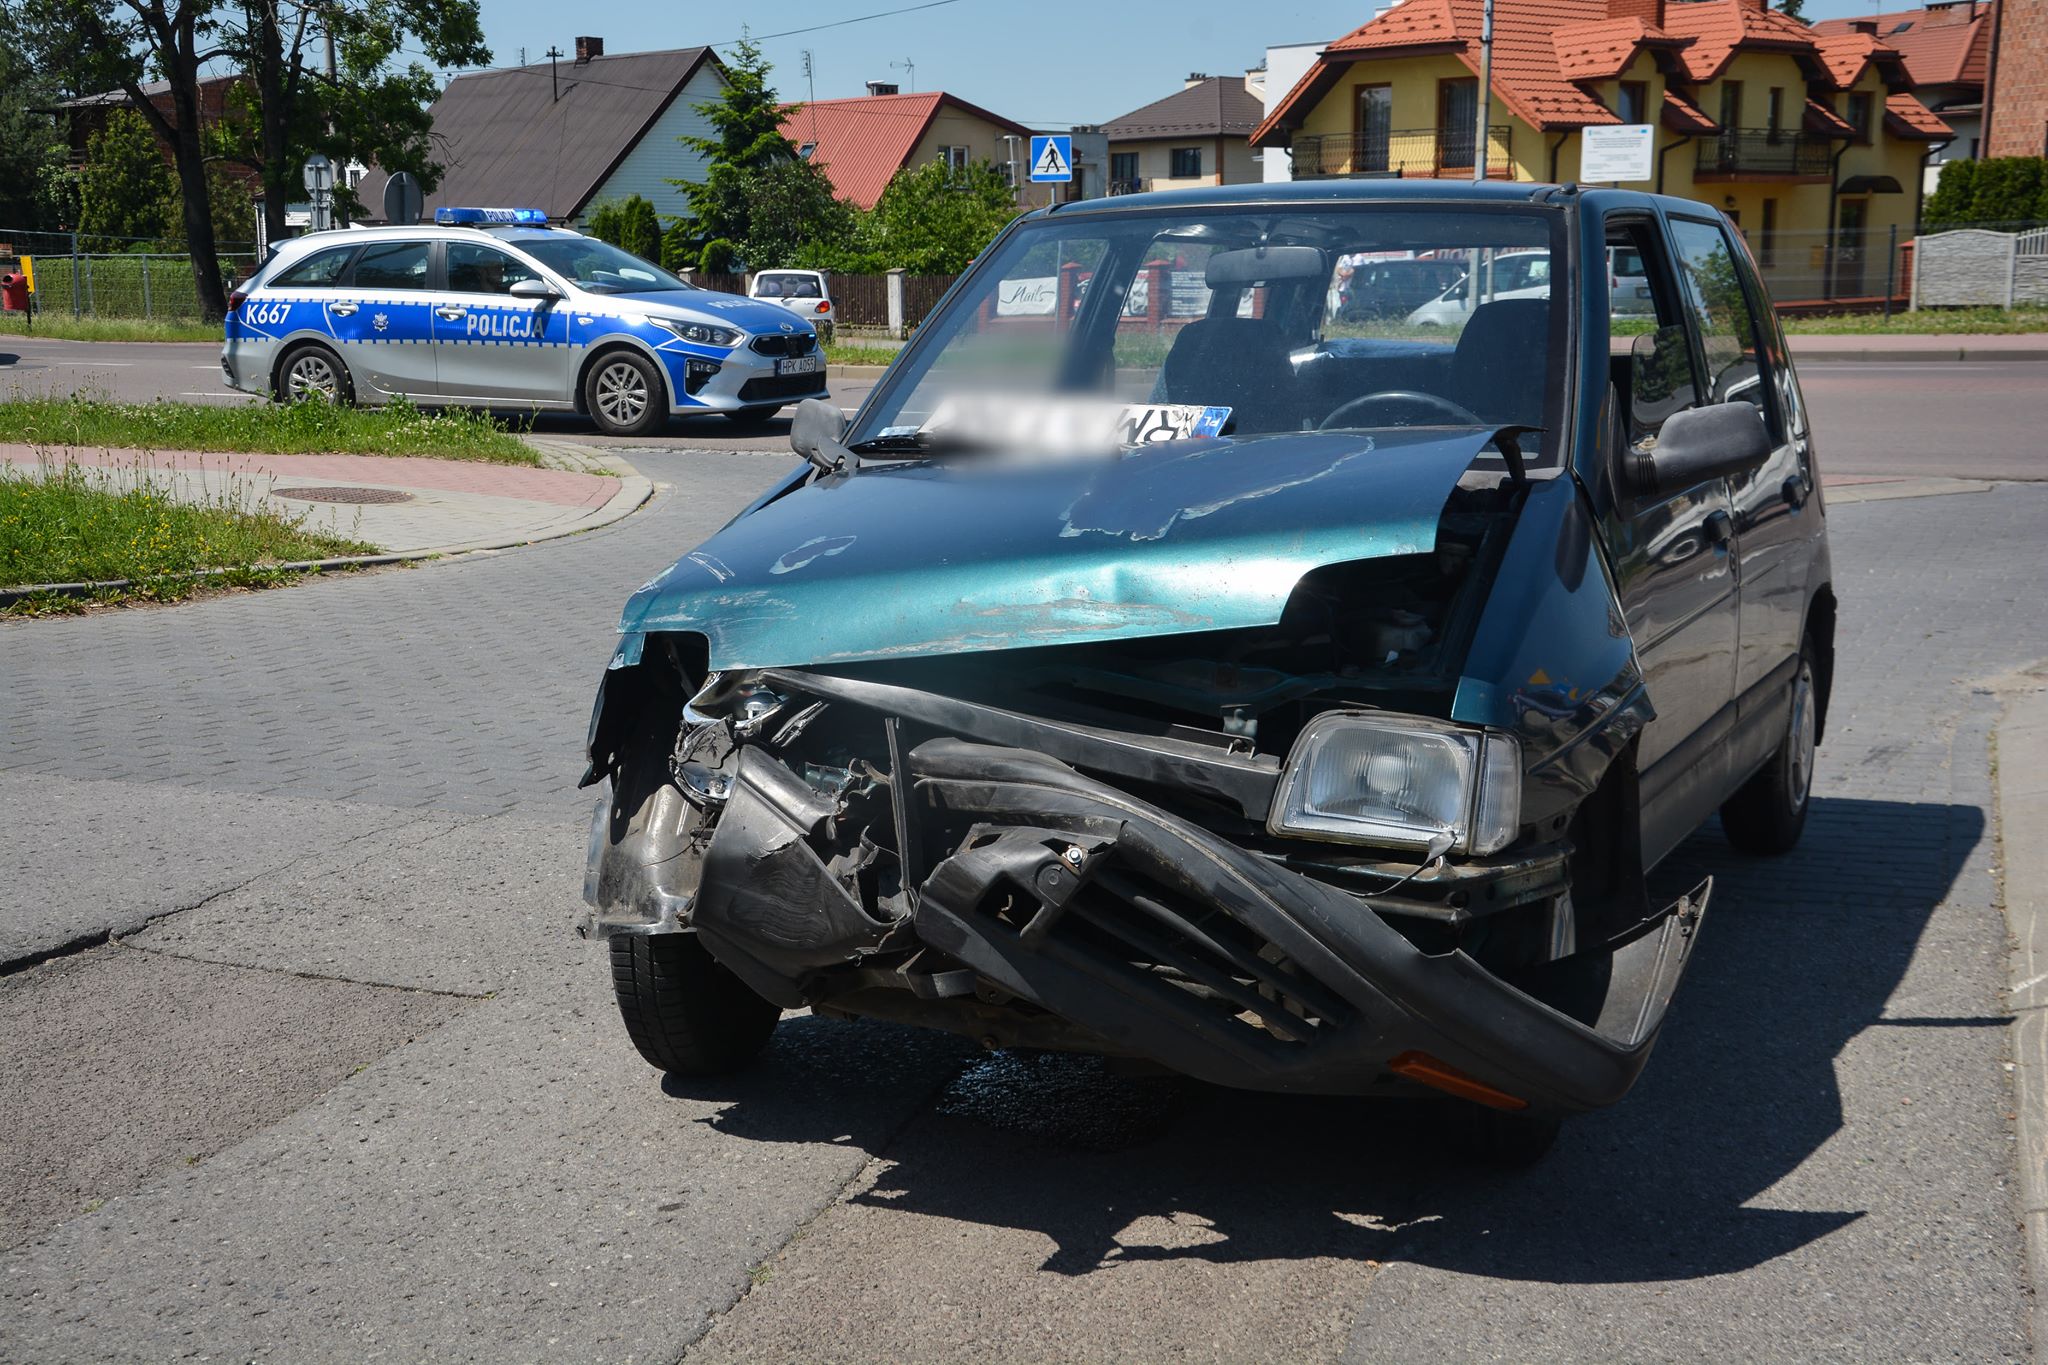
x=702, y=333
x=1404, y=783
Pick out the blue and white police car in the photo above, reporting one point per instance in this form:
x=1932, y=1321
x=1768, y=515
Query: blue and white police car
x=493, y=308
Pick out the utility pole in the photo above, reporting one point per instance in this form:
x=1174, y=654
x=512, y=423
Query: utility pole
x=811, y=94
x=555, y=80
x=1485, y=112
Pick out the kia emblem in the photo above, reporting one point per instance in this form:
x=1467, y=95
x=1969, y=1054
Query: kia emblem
x=787, y=328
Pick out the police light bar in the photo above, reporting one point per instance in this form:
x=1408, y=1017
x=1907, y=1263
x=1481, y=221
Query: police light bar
x=448, y=217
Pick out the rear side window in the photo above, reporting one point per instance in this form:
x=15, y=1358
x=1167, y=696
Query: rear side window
x=1712, y=285
x=392, y=265
x=321, y=270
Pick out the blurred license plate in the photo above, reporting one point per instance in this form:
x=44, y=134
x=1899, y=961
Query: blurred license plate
x=800, y=364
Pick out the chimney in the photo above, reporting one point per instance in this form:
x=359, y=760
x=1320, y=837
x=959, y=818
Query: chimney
x=1863, y=26
x=1650, y=12
x=1754, y=6
x=586, y=48
x=882, y=87
x=1194, y=79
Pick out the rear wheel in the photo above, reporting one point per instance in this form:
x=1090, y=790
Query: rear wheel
x=1767, y=813
x=313, y=372
x=624, y=394
x=686, y=1014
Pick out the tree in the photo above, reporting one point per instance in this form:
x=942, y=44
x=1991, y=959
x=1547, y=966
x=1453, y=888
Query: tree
x=2003, y=190
x=790, y=207
x=747, y=121
x=931, y=220
x=29, y=144
x=1794, y=8
x=124, y=189
x=288, y=112
x=628, y=224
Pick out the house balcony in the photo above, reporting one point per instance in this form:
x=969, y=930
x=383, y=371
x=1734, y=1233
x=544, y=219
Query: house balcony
x=1427, y=153
x=1763, y=154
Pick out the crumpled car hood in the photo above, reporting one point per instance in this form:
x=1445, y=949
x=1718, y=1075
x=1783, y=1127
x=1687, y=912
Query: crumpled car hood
x=961, y=555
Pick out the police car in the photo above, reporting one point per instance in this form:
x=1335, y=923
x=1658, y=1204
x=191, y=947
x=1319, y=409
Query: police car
x=494, y=308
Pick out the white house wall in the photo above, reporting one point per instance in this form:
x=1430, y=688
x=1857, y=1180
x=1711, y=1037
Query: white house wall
x=658, y=157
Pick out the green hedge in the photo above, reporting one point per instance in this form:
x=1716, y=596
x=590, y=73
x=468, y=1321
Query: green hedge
x=122, y=286
x=2003, y=190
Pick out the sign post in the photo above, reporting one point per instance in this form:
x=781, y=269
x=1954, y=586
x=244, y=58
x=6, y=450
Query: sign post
x=1052, y=160
x=402, y=199
x=1616, y=154
x=319, y=177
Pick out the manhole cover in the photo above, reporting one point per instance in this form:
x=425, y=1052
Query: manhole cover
x=343, y=494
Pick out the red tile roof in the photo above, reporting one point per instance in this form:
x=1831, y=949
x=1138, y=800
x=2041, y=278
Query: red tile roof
x=862, y=142
x=1603, y=49
x=1825, y=121
x=1906, y=117
x=1848, y=55
x=1681, y=115
x=1722, y=27
x=1945, y=46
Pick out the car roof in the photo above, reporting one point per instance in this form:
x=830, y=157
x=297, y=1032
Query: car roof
x=355, y=235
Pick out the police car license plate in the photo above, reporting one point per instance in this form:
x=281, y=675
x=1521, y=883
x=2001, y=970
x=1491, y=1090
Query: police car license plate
x=800, y=364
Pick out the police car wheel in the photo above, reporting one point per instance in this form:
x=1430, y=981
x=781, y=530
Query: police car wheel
x=624, y=395
x=313, y=372
x=753, y=417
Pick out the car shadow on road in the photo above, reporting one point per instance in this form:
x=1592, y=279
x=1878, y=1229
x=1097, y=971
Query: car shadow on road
x=1799, y=955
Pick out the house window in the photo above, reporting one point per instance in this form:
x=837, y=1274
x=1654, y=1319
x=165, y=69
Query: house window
x=1372, y=128
x=806, y=150
x=1767, y=238
x=1634, y=104
x=1775, y=120
x=1457, y=107
x=1123, y=173
x=954, y=157
x=1731, y=106
x=1187, y=163
x=1859, y=114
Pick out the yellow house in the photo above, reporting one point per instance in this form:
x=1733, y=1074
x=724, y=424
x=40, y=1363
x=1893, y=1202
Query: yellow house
x=1813, y=144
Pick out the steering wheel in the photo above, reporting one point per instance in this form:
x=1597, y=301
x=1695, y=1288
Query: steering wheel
x=1429, y=402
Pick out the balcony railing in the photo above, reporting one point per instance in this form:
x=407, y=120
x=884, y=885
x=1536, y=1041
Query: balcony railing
x=1127, y=186
x=1763, y=152
x=1430, y=153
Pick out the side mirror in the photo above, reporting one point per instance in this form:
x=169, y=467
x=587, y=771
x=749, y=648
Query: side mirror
x=532, y=289
x=1700, y=444
x=815, y=432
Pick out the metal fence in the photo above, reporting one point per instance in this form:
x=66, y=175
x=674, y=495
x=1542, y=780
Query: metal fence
x=95, y=277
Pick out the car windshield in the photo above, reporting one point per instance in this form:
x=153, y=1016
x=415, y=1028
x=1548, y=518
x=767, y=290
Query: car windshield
x=773, y=286
x=598, y=266
x=1257, y=320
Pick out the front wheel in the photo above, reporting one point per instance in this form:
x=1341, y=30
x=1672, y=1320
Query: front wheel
x=686, y=1014
x=624, y=394
x=1768, y=812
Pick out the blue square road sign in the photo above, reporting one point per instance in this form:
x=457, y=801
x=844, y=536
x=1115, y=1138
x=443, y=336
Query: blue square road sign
x=1052, y=158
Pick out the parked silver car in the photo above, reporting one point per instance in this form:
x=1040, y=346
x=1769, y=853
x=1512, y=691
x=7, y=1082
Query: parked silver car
x=493, y=308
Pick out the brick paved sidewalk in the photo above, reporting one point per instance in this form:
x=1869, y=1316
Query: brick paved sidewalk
x=402, y=506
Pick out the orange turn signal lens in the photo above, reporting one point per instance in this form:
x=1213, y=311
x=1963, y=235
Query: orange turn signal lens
x=1430, y=1071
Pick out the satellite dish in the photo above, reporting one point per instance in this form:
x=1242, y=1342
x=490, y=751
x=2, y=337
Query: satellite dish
x=402, y=199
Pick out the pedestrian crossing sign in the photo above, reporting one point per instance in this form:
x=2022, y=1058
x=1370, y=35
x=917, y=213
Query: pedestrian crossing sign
x=1052, y=157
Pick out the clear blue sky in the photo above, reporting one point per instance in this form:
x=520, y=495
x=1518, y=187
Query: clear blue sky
x=1047, y=63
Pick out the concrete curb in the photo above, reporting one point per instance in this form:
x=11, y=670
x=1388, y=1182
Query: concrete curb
x=1925, y=349
x=1885, y=490
x=855, y=371
x=635, y=489
x=2021, y=767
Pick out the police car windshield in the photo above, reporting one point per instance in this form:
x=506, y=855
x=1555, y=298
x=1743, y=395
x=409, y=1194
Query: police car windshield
x=598, y=266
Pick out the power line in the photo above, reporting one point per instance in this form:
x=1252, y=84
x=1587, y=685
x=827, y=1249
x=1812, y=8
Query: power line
x=837, y=23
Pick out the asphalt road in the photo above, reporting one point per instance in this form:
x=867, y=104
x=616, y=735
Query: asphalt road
x=1974, y=421
x=348, y=1088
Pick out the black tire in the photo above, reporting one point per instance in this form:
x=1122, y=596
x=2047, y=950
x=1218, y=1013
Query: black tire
x=687, y=1015
x=752, y=417
x=625, y=395
x=1767, y=813
x=1497, y=1138
x=300, y=371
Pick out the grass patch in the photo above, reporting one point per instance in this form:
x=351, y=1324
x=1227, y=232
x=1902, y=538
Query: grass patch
x=310, y=428
x=1926, y=322
x=853, y=353
x=71, y=524
x=64, y=327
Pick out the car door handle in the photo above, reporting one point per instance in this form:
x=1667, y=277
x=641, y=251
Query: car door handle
x=451, y=313
x=1797, y=490
x=1720, y=527
x=343, y=310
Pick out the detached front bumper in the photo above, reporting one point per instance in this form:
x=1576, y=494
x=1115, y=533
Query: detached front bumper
x=1152, y=937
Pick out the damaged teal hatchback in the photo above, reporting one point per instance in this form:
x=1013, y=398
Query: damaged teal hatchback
x=1171, y=664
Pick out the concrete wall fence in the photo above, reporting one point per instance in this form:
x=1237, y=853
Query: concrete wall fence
x=1973, y=267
